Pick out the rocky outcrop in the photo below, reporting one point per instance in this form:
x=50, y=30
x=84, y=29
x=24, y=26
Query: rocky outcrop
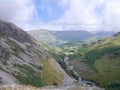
x=11, y=30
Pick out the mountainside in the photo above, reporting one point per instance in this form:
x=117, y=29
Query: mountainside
x=105, y=33
x=22, y=61
x=71, y=35
x=11, y=30
x=46, y=36
x=101, y=62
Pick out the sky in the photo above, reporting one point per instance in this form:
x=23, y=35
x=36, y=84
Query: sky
x=91, y=15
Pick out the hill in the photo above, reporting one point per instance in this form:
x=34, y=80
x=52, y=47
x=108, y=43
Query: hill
x=105, y=33
x=71, y=35
x=23, y=61
x=102, y=57
x=46, y=36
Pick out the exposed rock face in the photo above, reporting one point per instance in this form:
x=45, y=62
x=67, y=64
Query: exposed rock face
x=7, y=78
x=11, y=30
x=20, y=56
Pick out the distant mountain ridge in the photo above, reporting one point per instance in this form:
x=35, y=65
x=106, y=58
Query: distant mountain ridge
x=56, y=38
x=105, y=33
x=71, y=35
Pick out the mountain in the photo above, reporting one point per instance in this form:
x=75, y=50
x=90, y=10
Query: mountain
x=105, y=33
x=23, y=61
x=117, y=34
x=71, y=35
x=46, y=36
x=57, y=38
x=99, y=62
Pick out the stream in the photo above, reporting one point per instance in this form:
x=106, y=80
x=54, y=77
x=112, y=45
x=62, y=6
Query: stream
x=83, y=83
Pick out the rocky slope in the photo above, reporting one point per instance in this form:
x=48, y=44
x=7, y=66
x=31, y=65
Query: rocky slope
x=22, y=60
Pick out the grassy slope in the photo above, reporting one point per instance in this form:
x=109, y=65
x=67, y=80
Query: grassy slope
x=30, y=77
x=108, y=71
x=51, y=73
x=104, y=58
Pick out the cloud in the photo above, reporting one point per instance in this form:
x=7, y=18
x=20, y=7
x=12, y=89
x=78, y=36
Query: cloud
x=110, y=17
x=77, y=14
x=20, y=12
x=45, y=6
x=90, y=14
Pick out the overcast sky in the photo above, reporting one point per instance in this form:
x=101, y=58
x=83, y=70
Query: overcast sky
x=89, y=15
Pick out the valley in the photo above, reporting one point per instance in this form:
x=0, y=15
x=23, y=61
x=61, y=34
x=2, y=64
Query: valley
x=69, y=65
x=59, y=44
x=27, y=63
x=95, y=60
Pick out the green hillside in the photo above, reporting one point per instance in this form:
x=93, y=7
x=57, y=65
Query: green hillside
x=104, y=58
x=46, y=36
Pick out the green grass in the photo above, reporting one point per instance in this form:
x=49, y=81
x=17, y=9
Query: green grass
x=30, y=78
x=108, y=71
x=51, y=73
x=93, y=55
x=104, y=58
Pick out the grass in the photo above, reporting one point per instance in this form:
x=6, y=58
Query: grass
x=51, y=73
x=92, y=55
x=104, y=58
x=30, y=78
x=108, y=72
